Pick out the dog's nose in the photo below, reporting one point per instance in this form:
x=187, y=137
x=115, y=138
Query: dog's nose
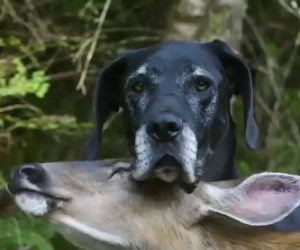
x=164, y=127
x=34, y=173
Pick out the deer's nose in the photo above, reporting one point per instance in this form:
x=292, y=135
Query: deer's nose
x=34, y=173
x=31, y=176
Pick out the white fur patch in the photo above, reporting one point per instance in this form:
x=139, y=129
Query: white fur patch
x=33, y=204
x=92, y=232
x=189, y=154
x=143, y=154
x=141, y=70
x=199, y=71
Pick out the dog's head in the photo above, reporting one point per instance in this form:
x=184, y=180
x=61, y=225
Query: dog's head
x=176, y=102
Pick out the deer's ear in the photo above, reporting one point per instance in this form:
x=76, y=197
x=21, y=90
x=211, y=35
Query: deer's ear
x=260, y=200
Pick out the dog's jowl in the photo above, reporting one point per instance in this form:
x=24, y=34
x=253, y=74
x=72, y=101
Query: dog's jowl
x=176, y=102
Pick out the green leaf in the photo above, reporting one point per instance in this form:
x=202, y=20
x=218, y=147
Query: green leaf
x=20, y=85
x=2, y=43
x=245, y=168
x=14, y=41
x=39, y=242
x=24, y=232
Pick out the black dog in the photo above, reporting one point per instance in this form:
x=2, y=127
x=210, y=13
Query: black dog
x=176, y=98
x=176, y=102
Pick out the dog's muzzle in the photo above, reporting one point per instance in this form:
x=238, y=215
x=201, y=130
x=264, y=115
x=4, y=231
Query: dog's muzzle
x=170, y=160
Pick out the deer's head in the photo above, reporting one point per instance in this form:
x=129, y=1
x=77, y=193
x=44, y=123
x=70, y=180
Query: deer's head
x=96, y=207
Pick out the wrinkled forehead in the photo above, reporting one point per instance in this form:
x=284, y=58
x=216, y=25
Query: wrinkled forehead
x=180, y=58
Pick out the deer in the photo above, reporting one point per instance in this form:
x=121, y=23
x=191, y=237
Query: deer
x=97, y=205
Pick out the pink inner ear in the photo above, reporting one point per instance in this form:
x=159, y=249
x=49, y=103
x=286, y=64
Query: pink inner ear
x=266, y=199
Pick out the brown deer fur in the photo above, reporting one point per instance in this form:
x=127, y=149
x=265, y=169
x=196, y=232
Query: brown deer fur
x=107, y=212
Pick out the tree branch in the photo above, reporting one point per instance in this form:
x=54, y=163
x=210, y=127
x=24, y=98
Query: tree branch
x=90, y=54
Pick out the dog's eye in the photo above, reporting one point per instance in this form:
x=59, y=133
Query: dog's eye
x=138, y=87
x=201, y=85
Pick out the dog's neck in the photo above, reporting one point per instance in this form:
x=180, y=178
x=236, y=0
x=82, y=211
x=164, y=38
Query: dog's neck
x=221, y=165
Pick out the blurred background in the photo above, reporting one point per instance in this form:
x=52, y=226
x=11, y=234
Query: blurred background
x=52, y=50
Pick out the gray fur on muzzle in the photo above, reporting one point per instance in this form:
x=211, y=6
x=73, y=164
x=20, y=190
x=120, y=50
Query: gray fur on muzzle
x=186, y=153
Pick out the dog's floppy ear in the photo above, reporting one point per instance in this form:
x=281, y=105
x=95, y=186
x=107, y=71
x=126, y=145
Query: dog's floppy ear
x=107, y=99
x=240, y=78
x=260, y=200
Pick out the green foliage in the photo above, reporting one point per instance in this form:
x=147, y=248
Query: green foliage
x=37, y=84
x=62, y=124
x=21, y=85
x=43, y=46
x=291, y=101
x=25, y=233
